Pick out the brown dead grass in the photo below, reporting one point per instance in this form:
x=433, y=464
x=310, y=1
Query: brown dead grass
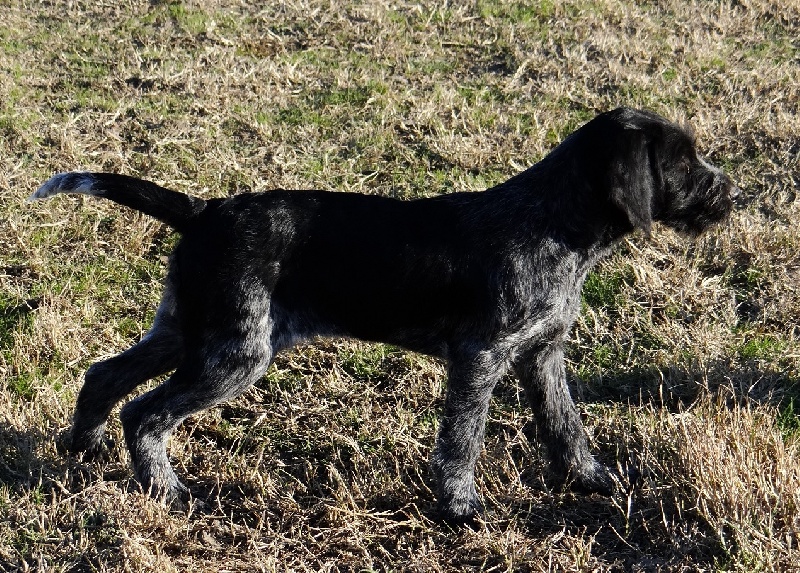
x=685, y=356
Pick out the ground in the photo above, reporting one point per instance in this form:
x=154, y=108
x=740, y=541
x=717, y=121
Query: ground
x=684, y=361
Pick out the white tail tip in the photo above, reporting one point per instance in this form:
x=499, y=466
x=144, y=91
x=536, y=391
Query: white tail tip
x=73, y=182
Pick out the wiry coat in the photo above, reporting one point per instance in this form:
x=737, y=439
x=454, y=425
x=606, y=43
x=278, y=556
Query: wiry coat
x=486, y=281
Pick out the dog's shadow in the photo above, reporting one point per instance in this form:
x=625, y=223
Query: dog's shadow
x=640, y=525
x=648, y=522
x=19, y=462
x=35, y=464
x=626, y=525
x=676, y=388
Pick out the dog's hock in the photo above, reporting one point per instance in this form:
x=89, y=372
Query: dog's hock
x=72, y=182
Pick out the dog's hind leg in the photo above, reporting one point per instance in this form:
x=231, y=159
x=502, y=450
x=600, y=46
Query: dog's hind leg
x=107, y=382
x=471, y=379
x=222, y=367
x=541, y=372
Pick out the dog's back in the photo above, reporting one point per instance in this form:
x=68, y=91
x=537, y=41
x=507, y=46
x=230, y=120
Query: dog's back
x=407, y=272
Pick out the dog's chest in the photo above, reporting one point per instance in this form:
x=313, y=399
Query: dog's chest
x=545, y=298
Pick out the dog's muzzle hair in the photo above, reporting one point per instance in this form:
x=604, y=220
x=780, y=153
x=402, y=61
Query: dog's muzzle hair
x=489, y=282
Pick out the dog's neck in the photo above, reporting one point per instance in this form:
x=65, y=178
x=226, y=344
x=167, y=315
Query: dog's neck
x=569, y=210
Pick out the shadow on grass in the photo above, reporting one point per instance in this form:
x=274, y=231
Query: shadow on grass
x=31, y=466
x=658, y=533
x=677, y=386
x=19, y=466
x=652, y=521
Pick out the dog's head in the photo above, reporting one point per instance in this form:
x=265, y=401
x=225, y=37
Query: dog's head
x=652, y=172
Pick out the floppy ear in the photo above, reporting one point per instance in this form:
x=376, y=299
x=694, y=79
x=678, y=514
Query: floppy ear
x=631, y=179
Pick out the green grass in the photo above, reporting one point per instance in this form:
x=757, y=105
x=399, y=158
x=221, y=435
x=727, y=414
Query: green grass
x=604, y=289
x=365, y=363
x=788, y=418
x=761, y=347
x=684, y=359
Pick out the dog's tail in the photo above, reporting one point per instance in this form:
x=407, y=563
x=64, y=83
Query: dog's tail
x=173, y=208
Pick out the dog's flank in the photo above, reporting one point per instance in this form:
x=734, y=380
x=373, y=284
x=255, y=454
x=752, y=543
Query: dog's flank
x=490, y=282
x=173, y=208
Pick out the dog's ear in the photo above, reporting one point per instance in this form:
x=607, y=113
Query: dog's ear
x=630, y=175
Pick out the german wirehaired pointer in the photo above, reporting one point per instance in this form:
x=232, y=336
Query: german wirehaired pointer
x=487, y=282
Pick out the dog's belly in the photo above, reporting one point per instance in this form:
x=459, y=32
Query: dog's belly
x=424, y=322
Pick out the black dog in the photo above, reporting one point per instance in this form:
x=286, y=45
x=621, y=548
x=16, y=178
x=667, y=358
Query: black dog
x=486, y=281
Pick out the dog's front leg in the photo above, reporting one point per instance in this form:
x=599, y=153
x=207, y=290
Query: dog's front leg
x=541, y=372
x=471, y=379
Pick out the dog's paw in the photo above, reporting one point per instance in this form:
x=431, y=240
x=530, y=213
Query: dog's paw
x=183, y=501
x=175, y=497
x=453, y=523
x=595, y=478
x=465, y=512
x=90, y=446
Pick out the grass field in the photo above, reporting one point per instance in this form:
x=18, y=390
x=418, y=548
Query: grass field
x=684, y=360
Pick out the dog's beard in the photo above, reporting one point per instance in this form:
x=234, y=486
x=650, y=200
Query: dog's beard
x=693, y=212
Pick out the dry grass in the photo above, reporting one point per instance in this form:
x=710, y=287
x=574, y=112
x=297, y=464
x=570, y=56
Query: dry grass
x=685, y=357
